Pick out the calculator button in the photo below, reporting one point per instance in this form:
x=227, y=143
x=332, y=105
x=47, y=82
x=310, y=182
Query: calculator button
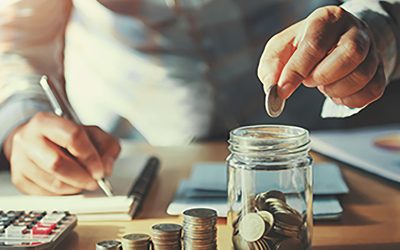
x=41, y=230
x=50, y=225
x=15, y=230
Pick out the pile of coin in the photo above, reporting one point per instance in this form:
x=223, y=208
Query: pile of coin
x=108, y=245
x=166, y=236
x=136, y=242
x=273, y=225
x=199, y=229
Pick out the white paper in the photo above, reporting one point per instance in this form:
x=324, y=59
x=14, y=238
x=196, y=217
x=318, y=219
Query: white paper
x=125, y=173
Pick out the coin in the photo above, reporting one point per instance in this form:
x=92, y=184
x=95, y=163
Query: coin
x=289, y=244
x=274, y=104
x=108, y=245
x=252, y=227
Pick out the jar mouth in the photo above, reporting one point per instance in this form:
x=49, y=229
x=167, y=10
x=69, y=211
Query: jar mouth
x=278, y=140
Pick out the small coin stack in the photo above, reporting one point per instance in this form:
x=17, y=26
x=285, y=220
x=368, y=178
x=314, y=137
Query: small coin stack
x=273, y=226
x=166, y=236
x=108, y=245
x=199, y=229
x=136, y=242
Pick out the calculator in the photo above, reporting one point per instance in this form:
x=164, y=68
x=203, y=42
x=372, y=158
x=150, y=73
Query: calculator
x=34, y=229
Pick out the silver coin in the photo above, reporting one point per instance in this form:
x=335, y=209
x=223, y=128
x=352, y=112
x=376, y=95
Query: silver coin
x=167, y=227
x=274, y=104
x=252, y=227
x=200, y=213
x=108, y=245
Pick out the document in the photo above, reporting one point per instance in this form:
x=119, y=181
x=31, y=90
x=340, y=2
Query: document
x=357, y=147
x=206, y=188
x=88, y=205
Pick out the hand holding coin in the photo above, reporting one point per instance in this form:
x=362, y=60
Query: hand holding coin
x=331, y=50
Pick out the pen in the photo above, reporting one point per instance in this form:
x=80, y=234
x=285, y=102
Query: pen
x=63, y=109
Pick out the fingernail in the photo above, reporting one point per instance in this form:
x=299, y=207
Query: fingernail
x=285, y=90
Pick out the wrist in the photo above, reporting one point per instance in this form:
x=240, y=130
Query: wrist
x=7, y=146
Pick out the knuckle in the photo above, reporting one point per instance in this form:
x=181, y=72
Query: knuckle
x=39, y=117
x=356, y=49
x=320, y=78
x=313, y=44
x=377, y=88
x=16, y=179
x=56, y=163
x=57, y=186
x=75, y=134
x=353, y=102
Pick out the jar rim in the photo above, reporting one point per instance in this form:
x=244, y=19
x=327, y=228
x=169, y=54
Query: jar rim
x=242, y=133
x=269, y=140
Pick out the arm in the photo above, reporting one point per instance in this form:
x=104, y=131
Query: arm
x=47, y=154
x=383, y=19
x=31, y=44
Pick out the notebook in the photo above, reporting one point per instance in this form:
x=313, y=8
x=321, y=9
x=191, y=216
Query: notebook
x=358, y=148
x=206, y=187
x=88, y=205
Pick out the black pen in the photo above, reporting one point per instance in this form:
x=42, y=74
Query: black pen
x=63, y=109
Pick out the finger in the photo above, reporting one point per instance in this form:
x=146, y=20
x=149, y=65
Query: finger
x=52, y=159
x=108, y=146
x=71, y=137
x=356, y=80
x=26, y=186
x=352, y=49
x=47, y=181
x=371, y=92
x=275, y=56
x=321, y=33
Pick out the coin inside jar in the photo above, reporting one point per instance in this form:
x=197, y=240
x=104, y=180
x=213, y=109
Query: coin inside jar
x=252, y=227
x=274, y=104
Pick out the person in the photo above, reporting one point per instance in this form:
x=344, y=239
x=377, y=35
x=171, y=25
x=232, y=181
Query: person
x=178, y=71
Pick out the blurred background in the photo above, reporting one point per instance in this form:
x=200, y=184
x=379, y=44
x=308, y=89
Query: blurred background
x=167, y=72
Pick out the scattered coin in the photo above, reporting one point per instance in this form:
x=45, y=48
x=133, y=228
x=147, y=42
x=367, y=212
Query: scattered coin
x=274, y=104
x=108, y=245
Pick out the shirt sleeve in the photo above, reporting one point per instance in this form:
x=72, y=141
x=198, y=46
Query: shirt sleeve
x=31, y=44
x=383, y=19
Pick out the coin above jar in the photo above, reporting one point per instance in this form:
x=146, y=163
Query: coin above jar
x=274, y=104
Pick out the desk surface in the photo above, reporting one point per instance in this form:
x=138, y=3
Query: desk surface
x=371, y=218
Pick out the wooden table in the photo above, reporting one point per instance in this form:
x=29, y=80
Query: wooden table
x=371, y=219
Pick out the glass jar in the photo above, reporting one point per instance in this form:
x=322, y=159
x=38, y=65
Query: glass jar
x=270, y=188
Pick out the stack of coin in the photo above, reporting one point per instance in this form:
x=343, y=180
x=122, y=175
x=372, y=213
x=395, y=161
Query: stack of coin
x=273, y=226
x=166, y=236
x=108, y=245
x=136, y=242
x=199, y=226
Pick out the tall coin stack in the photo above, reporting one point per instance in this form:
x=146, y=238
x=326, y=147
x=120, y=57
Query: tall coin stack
x=166, y=236
x=274, y=225
x=136, y=242
x=199, y=229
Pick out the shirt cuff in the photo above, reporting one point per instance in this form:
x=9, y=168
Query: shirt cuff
x=382, y=28
x=15, y=112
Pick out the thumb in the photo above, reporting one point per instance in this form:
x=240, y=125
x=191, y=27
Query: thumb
x=276, y=54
